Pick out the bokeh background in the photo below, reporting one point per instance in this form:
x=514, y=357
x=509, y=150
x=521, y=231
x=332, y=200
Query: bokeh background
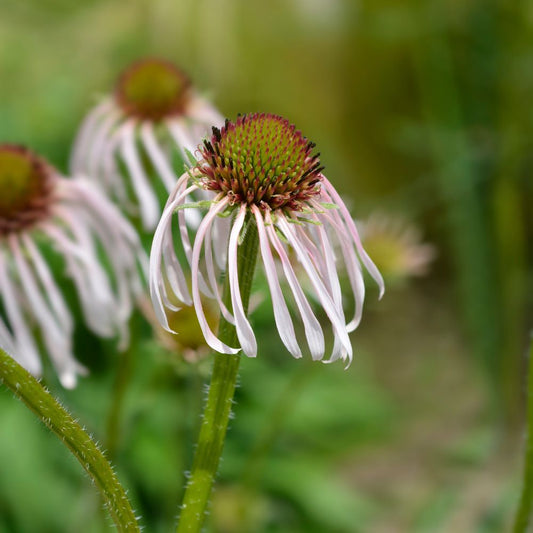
x=421, y=110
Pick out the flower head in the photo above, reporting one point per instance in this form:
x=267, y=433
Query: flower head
x=261, y=171
x=126, y=142
x=261, y=160
x=38, y=206
x=397, y=247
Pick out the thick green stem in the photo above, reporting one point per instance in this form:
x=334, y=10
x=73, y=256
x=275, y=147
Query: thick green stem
x=219, y=400
x=523, y=515
x=25, y=387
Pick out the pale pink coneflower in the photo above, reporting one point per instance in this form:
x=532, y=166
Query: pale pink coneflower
x=261, y=171
x=44, y=213
x=396, y=246
x=126, y=142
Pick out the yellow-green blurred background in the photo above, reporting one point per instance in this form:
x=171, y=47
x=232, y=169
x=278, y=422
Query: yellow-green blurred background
x=420, y=109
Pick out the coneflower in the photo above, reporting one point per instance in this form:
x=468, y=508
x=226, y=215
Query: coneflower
x=267, y=197
x=263, y=175
x=127, y=141
x=39, y=207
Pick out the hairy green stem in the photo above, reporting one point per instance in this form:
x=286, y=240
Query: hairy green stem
x=26, y=388
x=525, y=508
x=219, y=399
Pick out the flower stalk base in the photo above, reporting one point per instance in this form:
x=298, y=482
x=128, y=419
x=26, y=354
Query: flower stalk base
x=219, y=400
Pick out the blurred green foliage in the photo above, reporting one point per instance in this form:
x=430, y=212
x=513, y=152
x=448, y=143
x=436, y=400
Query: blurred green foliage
x=418, y=107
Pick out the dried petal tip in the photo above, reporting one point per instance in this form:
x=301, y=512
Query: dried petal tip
x=25, y=188
x=263, y=160
x=152, y=89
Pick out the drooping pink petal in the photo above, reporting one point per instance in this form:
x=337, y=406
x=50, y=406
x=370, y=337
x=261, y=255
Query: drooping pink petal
x=157, y=156
x=201, y=111
x=98, y=144
x=212, y=276
x=369, y=264
x=111, y=177
x=56, y=337
x=48, y=282
x=148, y=204
x=7, y=342
x=86, y=133
x=332, y=277
x=321, y=291
x=163, y=250
x=245, y=333
x=187, y=248
x=181, y=137
x=353, y=267
x=281, y=312
x=313, y=330
x=25, y=349
x=212, y=340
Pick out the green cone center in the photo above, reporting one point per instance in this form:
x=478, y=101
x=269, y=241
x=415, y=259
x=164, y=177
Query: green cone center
x=21, y=180
x=261, y=159
x=152, y=89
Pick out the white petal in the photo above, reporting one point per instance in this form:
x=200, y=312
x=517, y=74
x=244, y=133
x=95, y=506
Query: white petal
x=321, y=291
x=113, y=178
x=163, y=249
x=211, y=339
x=91, y=283
x=186, y=243
x=56, y=337
x=100, y=139
x=281, y=312
x=181, y=138
x=36, y=299
x=85, y=135
x=369, y=264
x=313, y=330
x=46, y=278
x=200, y=110
x=148, y=203
x=212, y=276
x=157, y=156
x=244, y=330
x=220, y=235
x=332, y=277
x=353, y=268
x=7, y=342
x=25, y=350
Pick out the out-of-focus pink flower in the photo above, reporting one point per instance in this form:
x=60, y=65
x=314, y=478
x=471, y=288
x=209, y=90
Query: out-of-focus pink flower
x=127, y=141
x=396, y=246
x=38, y=206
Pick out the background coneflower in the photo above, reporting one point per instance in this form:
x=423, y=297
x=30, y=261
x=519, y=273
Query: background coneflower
x=396, y=246
x=37, y=206
x=128, y=141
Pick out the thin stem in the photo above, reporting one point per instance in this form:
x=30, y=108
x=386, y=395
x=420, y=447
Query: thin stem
x=122, y=380
x=26, y=388
x=523, y=514
x=219, y=400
